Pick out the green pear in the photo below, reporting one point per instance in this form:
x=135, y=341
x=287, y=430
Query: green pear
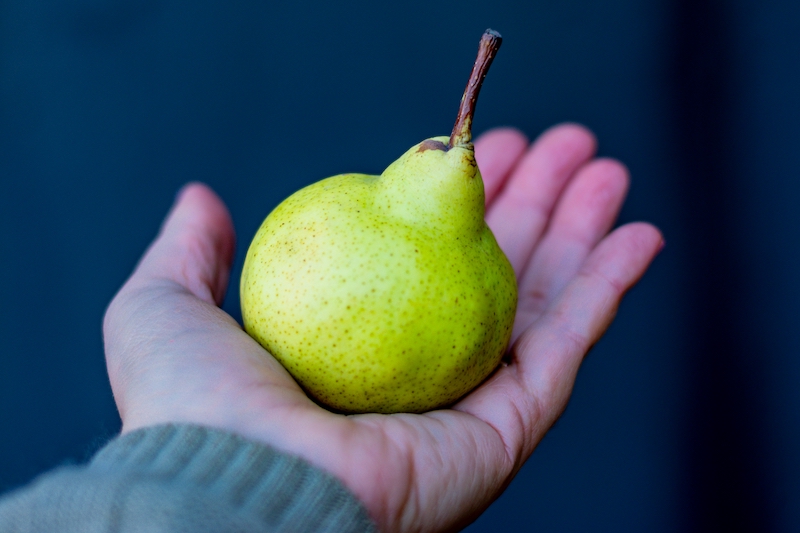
x=386, y=293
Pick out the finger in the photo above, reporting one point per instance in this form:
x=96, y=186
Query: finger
x=522, y=400
x=194, y=248
x=587, y=211
x=498, y=151
x=550, y=352
x=166, y=340
x=522, y=208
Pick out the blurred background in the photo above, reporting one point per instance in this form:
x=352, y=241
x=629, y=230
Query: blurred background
x=685, y=417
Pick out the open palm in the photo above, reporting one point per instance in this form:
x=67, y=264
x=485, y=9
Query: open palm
x=174, y=356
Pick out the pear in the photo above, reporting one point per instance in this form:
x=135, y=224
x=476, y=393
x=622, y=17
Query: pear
x=387, y=293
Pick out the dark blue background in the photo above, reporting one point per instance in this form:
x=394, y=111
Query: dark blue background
x=686, y=417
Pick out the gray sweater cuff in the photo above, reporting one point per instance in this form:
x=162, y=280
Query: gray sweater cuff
x=180, y=478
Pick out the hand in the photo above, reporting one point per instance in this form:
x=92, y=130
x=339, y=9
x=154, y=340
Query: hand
x=174, y=356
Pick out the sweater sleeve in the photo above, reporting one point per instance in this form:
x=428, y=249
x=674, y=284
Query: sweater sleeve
x=182, y=478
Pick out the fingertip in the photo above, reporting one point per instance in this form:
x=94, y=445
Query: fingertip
x=626, y=253
x=611, y=185
x=648, y=236
x=202, y=198
x=553, y=160
x=497, y=152
x=195, y=246
x=608, y=166
x=648, y=240
x=574, y=135
x=199, y=204
x=504, y=136
x=599, y=187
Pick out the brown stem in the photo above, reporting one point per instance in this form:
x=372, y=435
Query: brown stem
x=462, y=130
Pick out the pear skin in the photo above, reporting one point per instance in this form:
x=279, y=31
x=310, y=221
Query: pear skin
x=386, y=293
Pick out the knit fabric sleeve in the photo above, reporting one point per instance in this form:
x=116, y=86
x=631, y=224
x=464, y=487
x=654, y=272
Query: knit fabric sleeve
x=183, y=478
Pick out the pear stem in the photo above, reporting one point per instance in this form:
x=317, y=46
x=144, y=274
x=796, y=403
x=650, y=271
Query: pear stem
x=487, y=49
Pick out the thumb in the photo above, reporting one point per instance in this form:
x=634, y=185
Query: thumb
x=194, y=247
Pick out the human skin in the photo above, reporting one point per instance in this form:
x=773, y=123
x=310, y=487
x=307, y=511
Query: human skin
x=174, y=356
